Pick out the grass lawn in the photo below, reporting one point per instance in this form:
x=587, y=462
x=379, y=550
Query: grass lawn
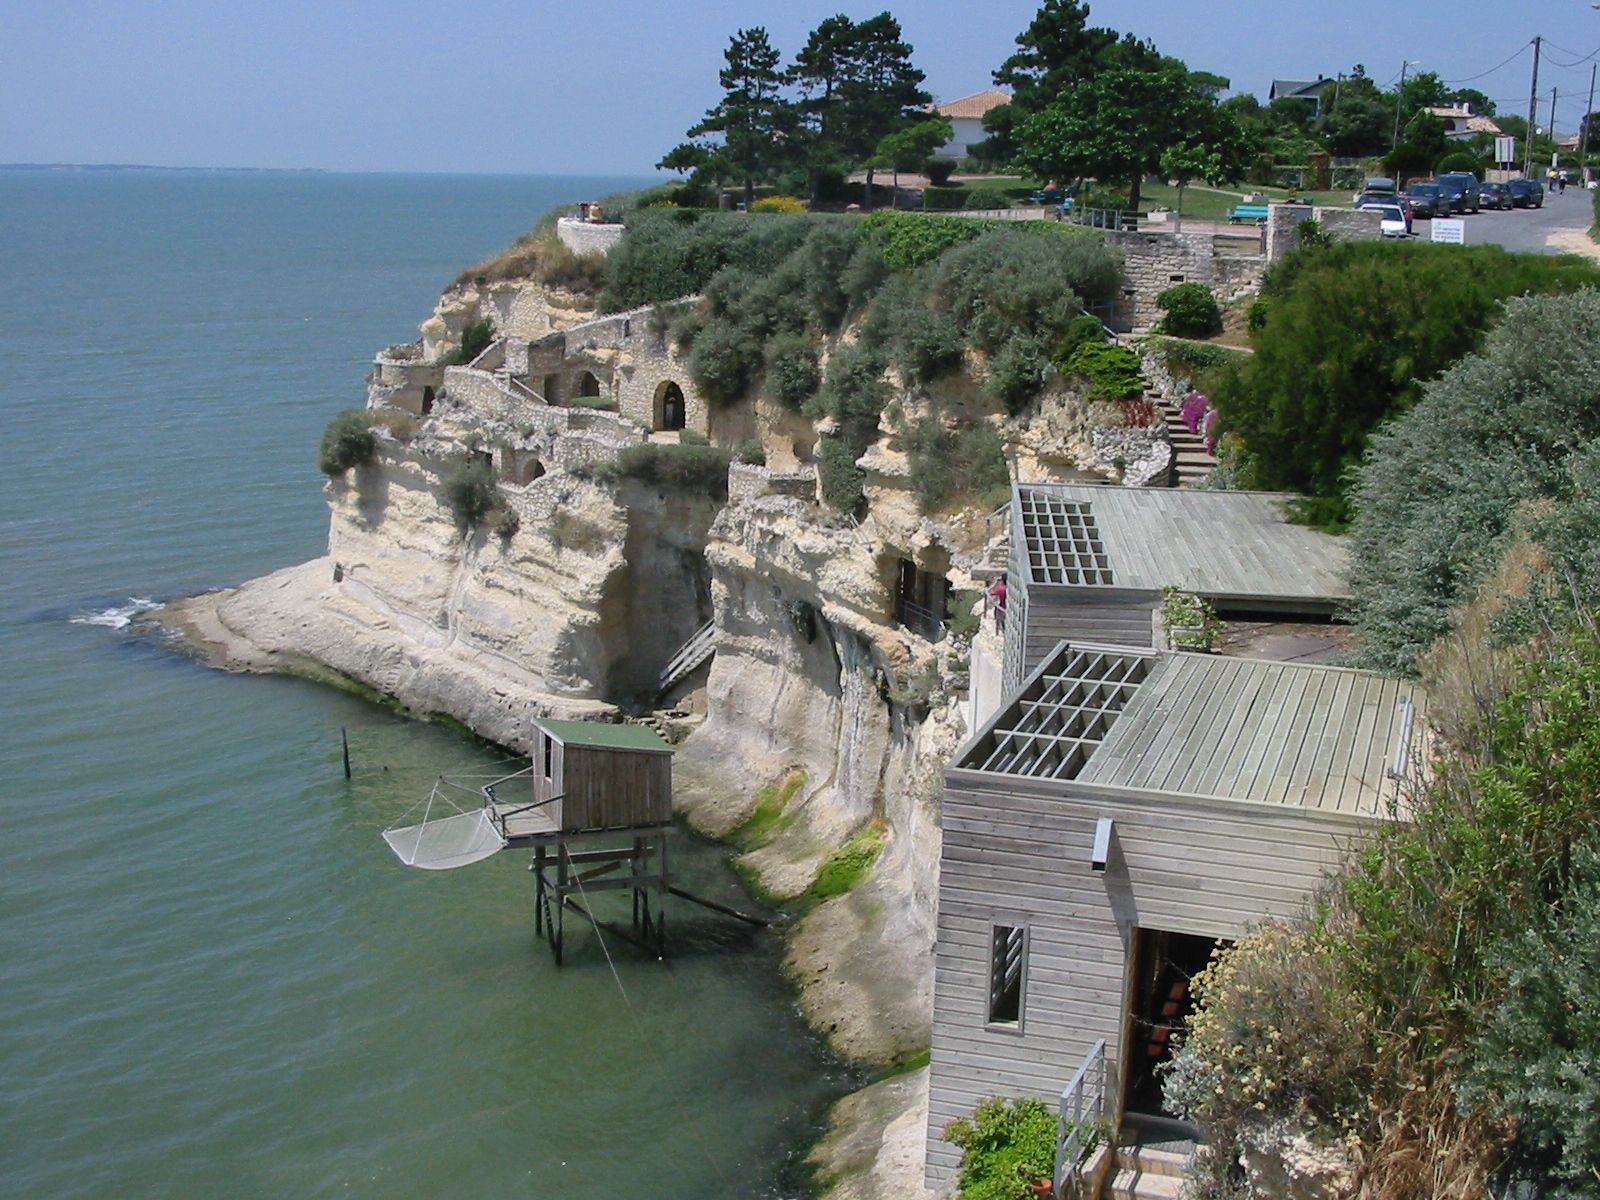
x=1200, y=203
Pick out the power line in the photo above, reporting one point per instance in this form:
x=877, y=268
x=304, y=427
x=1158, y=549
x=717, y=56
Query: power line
x=1517, y=53
x=1563, y=50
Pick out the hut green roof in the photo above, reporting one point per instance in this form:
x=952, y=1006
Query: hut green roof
x=611, y=737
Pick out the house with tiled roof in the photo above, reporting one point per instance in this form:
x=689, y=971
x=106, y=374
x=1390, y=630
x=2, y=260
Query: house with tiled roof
x=1460, y=122
x=966, y=120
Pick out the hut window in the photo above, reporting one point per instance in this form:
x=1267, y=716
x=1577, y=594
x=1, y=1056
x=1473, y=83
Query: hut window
x=549, y=757
x=1008, y=955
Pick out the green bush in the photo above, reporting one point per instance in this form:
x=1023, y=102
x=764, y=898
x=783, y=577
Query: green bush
x=688, y=468
x=1191, y=310
x=908, y=240
x=724, y=362
x=475, y=339
x=1458, y=161
x=924, y=344
x=793, y=373
x=347, y=442
x=600, y=403
x=1081, y=330
x=854, y=393
x=1355, y=330
x=987, y=197
x=953, y=464
x=469, y=493
x=779, y=204
x=1112, y=371
x=507, y=523
x=751, y=453
x=840, y=480
x=1017, y=373
x=1256, y=315
x=939, y=170
x=1505, y=444
x=944, y=199
x=692, y=437
x=1005, y=1146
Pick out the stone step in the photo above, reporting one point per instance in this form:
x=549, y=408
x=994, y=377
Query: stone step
x=1135, y=1185
x=1153, y=1160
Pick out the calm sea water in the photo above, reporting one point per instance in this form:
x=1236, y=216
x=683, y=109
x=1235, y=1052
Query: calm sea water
x=214, y=978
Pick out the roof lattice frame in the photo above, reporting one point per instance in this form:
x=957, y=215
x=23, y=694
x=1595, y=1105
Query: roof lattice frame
x=1062, y=541
x=1053, y=726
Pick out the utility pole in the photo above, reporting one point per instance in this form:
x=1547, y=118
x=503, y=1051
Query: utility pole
x=1552, y=118
x=1585, y=132
x=1533, y=111
x=1399, y=103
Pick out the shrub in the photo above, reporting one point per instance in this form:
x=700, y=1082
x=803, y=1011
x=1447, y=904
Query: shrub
x=908, y=240
x=670, y=253
x=1191, y=311
x=1256, y=314
x=924, y=344
x=1017, y=374
x=948, y=464
x=507, y=523
x=1503, y=443
x=1079, y=331
x=1458, y=161
x=602, y=403
x=475, y=339
x=1355, y=330
x=542, y=256
x=982, y=197
x=779, y=204
x=854, y=393
x=347, y=442
x=792, y=370
x=724, y=362
x=1111, y=371
x=1005, y=1146
x=685, y=467
x=469, y=493
x=841, y=481
x=751, y=453
x=940, y=198
x=939, y=170
x=1193, y=616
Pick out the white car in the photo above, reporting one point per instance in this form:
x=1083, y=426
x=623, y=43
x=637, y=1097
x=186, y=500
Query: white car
x=1393, y=219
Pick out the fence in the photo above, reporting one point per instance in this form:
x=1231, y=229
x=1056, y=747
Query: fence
x=1081, y=1116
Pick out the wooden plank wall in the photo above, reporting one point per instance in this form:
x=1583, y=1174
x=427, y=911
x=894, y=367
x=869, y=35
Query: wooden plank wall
x=1102, y=616
x=1018, y=852
x=615, y=789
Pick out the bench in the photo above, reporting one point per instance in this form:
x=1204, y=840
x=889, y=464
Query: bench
x=1247, y=212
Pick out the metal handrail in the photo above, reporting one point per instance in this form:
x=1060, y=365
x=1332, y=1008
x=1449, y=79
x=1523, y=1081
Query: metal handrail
x=921, y=621
x=1079, y=1115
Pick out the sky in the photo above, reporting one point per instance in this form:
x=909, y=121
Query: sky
x=608, y=86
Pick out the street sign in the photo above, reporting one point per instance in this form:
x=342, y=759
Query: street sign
x=1505, y=151
x=1452, y=231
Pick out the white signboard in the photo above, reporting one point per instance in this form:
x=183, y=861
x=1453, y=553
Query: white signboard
x=1505, y=150
x=1449, y=231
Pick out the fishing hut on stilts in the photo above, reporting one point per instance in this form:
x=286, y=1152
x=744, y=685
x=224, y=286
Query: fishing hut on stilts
x=596, y=801
x=594, y=806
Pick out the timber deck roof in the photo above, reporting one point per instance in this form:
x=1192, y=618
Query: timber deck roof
x=1193, y=725
x=1225, y=545
x=610, y=737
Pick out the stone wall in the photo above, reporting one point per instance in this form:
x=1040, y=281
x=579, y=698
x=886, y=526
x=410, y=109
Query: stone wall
x=746, y=480
x=1145, y=455
x=585, y=237
x=1341, y=224
x=401, y=378
x=1153, y=262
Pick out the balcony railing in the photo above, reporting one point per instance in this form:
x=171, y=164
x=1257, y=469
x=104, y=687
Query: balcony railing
x=1082, y=1116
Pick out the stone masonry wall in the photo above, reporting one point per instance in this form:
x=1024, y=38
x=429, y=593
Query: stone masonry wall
x=582, y=237
x=1153, y=262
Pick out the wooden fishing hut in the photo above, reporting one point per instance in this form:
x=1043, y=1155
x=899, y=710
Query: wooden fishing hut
x=596, y=808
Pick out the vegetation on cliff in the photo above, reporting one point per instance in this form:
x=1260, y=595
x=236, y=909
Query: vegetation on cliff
x=1434, y=1019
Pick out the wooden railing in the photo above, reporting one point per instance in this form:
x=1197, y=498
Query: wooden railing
x=1082, y=1116
x=700, y=646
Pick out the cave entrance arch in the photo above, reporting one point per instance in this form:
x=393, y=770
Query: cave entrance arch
x=671, y=408
x=588, y=384
x=427, y=400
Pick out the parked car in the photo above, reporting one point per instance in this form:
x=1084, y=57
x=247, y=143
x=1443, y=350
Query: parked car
x=1494, y=195
x=1463, y=189
x=1526, y=193
x=1394, y=221
x=1378, y=185
x=1428, y=199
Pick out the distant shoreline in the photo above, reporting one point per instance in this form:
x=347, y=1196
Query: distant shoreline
x=107, y=167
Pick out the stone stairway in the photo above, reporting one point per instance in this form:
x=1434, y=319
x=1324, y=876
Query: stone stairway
x=1190, y=459
x=1149, y=1170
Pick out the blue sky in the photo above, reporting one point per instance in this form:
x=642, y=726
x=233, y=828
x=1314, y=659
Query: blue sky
x=607, y=86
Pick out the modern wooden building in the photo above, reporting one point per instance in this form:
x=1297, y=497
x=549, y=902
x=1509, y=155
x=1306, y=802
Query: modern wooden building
x=1123, y=812
x=1089, y=563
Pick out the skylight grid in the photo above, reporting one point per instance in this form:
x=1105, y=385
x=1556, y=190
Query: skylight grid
x=1062, y=540
x=1054, y=725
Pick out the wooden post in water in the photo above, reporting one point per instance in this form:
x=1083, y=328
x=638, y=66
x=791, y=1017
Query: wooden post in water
x=344, y=739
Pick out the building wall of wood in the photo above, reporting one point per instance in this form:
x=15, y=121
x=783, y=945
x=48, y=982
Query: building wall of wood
x=1018, y=852
x=607, y=788
x=1103, y=616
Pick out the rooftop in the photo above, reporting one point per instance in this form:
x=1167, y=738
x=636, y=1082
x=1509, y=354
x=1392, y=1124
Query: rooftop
x=1309, y=89
x=1284, y=734
x=1225, y=545
x=612, y=737
x=976, y=105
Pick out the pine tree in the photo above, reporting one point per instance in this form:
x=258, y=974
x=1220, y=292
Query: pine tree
x=753, y=118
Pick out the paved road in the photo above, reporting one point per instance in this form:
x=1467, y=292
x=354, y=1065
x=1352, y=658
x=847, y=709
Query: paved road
x=1540, y=230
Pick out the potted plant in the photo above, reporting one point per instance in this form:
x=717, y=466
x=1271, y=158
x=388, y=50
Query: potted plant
x=1190, y=622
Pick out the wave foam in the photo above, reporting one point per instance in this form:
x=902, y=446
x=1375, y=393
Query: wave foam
x=115, y=616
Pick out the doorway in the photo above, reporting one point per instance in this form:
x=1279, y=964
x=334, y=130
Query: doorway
x=1165, y=965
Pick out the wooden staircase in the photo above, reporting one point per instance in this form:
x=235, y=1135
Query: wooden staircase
x=702, y=644
x=1191, y=461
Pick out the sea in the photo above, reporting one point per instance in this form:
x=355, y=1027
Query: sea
x=215, y=978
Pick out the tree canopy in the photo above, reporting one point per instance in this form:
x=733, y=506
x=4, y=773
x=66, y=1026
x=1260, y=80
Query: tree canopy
x=753, y=117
